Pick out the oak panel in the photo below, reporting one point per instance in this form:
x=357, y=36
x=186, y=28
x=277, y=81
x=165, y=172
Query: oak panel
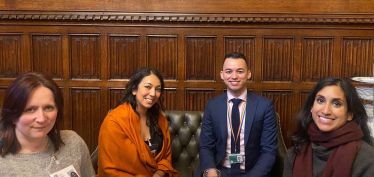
x=85, y=56
x=244, y=45
x=124, y=56
x=201, y=58
x=170, y=99
x=162, y=55
x=47, y=55
x=356, y=57
x=303, y=96
x=196, y=99
x=277, y=60
x=11, y=64
x=115, y=94
x=86, y=120
x=316, y=58
x=2, y=96
x=283, y=106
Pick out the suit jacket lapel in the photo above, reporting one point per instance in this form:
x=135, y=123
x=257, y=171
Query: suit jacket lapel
x=223, y=116
x=250, y=115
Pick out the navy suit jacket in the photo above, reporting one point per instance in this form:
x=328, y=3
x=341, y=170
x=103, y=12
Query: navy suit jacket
x=260, y=135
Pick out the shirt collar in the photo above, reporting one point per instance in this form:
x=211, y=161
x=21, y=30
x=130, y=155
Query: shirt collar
x=243, y=96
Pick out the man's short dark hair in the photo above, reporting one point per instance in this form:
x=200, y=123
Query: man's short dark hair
x=235, y=55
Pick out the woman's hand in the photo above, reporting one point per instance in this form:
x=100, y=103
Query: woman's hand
x=159, y=173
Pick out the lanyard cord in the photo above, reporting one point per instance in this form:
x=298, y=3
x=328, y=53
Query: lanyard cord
x=240, y=124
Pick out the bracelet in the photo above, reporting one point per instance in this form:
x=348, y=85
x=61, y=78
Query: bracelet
x=158, y=174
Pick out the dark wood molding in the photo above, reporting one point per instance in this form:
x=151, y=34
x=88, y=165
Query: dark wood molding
x=188, y=17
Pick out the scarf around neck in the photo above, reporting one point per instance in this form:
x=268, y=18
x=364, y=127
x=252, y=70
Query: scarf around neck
x=345, y=141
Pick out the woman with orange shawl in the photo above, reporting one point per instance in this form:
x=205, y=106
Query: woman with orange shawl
x=134, y=138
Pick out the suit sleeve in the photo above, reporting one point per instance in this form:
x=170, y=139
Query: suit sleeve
x=207, y=142
x=269, y=143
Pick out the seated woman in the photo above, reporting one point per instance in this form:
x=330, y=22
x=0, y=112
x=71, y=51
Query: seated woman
x=332, y=138
x=134, y=138
x=31, y=141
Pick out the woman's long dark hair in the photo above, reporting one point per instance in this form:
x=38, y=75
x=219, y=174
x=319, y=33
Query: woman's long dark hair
x=355, y=106
x=14, y=104
x=155, y=111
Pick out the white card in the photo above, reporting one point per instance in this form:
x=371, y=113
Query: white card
x=66, y=172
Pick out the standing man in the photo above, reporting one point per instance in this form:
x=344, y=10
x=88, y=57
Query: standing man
x=239, y=130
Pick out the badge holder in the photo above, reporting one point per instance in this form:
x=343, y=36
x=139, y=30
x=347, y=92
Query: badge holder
x=235, y=158
x=56, y=168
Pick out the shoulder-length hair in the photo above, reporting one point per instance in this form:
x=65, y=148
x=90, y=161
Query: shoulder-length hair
x=355, y=106
x=133, y=85
x=14, y=104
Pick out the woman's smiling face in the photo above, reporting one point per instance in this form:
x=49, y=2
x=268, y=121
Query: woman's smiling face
x=330, y=109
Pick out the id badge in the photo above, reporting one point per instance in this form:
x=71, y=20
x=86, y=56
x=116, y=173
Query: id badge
x=66, y=172
x=235, y=158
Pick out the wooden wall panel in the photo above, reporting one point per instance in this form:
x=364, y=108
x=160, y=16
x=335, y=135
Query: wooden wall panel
x=162, y=55
x=277, y=60
x=170, y=99
x=85, y=56
x=47, y=54
x=2, y=95
x=244, y=45
x=316, y=58
x=11, y=63
x=357, y=57
x=124, y=56
x=287, y=52
x=282, y=100
x=201, y=58
x=86, y=111
x=199, y=6
x=114, y=95
x=196, y=99
x=303, y=96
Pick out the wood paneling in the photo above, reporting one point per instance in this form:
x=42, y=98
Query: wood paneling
x=170, y=99
x=93, y=47
x=124, y=56
x=317, y=58
x=199, y=6
x=47, y=55
x=162, y=55
x=86, y=111
x=283, y=106
x=114, y=95
x=11, y=64
x=196, y=99
x=201, y=58
x=278, y=58
x=244, y=45
x=85, y=56
x=2, y=95
x=303, y=96
x=357, y=57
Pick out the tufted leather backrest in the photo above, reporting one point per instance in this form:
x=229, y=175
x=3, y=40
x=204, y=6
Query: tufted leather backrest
x=185, y=128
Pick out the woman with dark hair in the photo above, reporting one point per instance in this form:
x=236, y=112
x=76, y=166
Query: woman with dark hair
x=134, y=138
x=332, y=138
x=31, y=143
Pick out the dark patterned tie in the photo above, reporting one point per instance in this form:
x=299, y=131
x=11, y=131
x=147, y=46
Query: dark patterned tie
x=235, y=118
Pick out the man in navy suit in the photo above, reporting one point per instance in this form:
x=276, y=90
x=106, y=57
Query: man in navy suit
x=239, y=130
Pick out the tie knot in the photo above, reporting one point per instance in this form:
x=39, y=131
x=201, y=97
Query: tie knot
x=236, y=101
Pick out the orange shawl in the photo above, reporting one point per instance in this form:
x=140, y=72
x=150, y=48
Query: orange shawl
x=122, y=151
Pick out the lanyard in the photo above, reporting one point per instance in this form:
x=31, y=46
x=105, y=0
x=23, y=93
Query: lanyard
x=240, y=124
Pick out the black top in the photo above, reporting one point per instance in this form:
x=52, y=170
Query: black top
x=155, y=143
